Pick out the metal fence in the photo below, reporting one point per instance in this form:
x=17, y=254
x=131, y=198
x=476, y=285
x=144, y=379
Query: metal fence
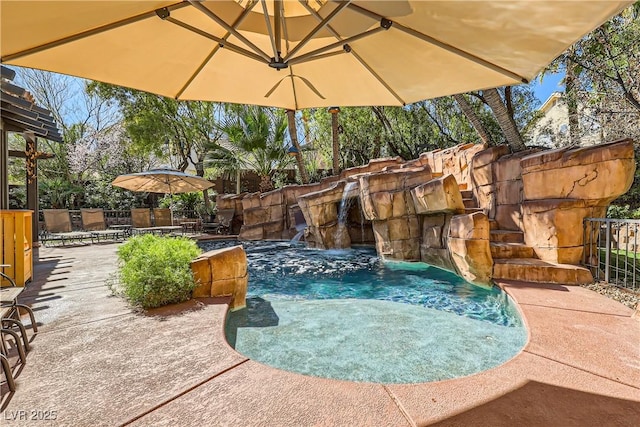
x=612, y=249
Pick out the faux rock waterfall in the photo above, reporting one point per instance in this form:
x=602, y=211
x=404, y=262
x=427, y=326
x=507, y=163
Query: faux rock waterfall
x=478, y=211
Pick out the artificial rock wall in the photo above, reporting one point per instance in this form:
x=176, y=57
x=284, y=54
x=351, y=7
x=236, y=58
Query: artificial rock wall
x=409, y=208
x=454, y=208
x=562, y=187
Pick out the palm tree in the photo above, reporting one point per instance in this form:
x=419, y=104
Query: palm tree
x=255, y=141
x=293, y=134
x=474, y=119
x=505, y=119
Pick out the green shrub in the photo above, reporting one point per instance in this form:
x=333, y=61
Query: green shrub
x=155, y=271
x=623, y=212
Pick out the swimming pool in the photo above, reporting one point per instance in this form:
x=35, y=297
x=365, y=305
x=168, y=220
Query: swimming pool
x=346, y=314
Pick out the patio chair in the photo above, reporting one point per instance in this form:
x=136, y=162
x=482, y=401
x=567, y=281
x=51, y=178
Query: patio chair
x=141, y=221
x=93, y=222
x=12, y=325
x=8, y=373
x=58, y=227
x=222, y=225
x=163, y=220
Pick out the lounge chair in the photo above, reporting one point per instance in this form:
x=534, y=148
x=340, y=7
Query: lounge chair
x=141, y=221
x=93, y=222
x=162, y=219
x=58, y=227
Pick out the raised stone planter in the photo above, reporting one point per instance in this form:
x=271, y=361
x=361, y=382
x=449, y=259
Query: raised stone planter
x=222, y=272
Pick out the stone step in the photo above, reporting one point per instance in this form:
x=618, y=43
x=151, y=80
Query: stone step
x=500, y=250
x=462, y=187
x=535, y=270
x=506, y=236
x=493, y=224
x=474, y=210
x=469, y=203
x=466, y=194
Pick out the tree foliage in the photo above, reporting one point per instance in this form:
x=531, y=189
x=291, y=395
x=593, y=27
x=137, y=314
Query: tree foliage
x=604, y=79
x=172, y=130
x=95, y=145
x=371, y=132
x=255, y=141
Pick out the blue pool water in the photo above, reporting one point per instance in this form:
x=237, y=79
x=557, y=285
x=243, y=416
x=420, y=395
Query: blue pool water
x=347, y=314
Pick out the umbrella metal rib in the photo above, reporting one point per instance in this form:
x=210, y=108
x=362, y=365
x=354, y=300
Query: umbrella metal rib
x=312, y=55
x=272, y=37
x=221, y=42
x=219, y=46
x=229, y=28
x=277, y=23
x=318, y=27
x=335, y=34
x=442, y=45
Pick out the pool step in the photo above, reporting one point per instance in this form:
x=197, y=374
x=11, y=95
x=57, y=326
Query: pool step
x=538, y=271
x=501, y=250
x=506, y=236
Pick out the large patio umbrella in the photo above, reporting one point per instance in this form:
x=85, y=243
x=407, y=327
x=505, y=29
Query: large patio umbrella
x=297, y=54
x=167, y=181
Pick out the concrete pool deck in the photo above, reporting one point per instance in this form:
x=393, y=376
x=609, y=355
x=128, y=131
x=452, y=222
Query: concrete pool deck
x=97, y=362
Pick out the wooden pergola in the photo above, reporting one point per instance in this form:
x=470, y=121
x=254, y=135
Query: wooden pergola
x=20, y=114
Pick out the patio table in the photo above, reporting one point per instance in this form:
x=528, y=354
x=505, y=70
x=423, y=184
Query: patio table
x=126, y=228
x=189, y=226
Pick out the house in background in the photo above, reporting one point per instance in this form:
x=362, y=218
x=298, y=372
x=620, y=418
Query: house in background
x=552, y=130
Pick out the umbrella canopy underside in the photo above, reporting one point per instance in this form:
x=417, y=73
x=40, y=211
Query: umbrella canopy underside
x=297, y=54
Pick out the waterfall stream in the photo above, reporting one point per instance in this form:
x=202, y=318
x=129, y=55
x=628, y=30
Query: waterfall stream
x=343, y=212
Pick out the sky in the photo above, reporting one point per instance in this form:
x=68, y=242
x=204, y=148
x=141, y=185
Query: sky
x=550, y=84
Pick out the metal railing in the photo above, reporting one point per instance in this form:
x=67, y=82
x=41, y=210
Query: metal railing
x=612, y=250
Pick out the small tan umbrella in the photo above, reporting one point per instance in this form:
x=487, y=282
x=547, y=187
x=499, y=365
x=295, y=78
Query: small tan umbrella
x=297, y=54
x=167, y=181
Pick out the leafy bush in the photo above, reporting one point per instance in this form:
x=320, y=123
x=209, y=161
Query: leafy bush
x=623, y=212
x=155, y=271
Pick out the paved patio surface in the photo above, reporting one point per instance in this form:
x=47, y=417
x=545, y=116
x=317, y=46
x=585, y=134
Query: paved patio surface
x=96, y=362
